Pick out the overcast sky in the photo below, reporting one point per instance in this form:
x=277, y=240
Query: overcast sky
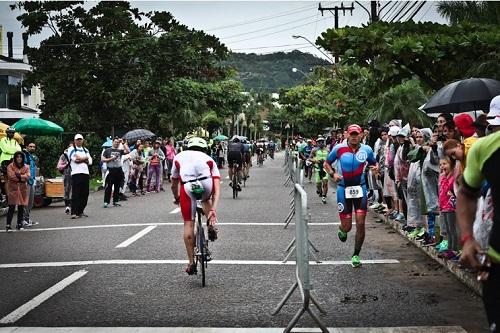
x=249, y=26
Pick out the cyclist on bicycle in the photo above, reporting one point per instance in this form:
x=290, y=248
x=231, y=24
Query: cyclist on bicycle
x=352, y=157
x=193, y=170
x=235, y=152
x=260, y=149
x=247, y=160
x=318, y=157
x=304, y=154
x=271, y=147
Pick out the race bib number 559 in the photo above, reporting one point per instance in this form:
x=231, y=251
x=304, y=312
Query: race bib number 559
x=353, y=192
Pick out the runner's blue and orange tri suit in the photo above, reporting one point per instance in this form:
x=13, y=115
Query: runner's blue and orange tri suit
x=350, y=166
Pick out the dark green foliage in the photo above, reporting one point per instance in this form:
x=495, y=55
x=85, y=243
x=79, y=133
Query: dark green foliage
x=48, y=150
x=271, y=72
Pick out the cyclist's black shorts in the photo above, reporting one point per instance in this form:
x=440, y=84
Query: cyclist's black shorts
x=234, y=157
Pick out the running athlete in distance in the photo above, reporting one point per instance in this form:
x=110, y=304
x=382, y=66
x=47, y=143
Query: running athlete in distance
x=352, y=157
x=318, y=157
x=304, y=154
x=194, y=168
x=235, y=152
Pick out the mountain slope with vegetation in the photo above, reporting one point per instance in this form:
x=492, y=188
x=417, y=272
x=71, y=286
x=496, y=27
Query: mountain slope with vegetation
x=270, y=72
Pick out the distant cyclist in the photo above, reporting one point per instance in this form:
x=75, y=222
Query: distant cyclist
x=247, y=159
x=193, y=168
x=235, y=152
x=271, y=147
x=260, y=149
x=318, y=157
x=304, y=154
x=352, y=157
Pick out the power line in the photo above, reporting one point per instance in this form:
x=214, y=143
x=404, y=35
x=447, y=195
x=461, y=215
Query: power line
x=389, y=10
x=417, y=10
x=271, y=46
x=399, y=4
x=276, y=32
x=395, y=18
x=270, y=27
x=407, y=11
x=427, y=11
x=265, y=18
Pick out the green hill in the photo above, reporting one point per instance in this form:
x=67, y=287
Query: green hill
x=269, y=72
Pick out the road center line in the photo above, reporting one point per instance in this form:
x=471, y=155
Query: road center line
x=163, y=224
x=183, y=262
x=136, y=237
x=27, y=307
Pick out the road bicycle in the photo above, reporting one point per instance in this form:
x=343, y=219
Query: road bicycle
x=202, y=255
x=245, y=173
x=260, y=159
x=235, y=180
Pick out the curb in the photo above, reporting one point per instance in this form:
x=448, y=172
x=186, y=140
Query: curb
x=467, y=278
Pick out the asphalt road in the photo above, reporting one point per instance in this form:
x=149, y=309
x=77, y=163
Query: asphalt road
x=143, y=283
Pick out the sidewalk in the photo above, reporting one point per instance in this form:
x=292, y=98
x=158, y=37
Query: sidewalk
x=468, y=278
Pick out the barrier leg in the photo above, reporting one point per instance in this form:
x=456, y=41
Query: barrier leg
x=289, y=216
x=314, y=247
x=290, y=245
x=313, y=299
x=289, y=254
x=294, y=321
x=314, y=256
x=289, y=220
x=287, y=296
x=318, y=321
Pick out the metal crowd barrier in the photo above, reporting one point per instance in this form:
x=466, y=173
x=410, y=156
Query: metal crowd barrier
x=293, y=167
x=302, y=265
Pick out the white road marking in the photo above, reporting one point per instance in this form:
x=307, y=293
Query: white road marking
x=27, y=307
x=227, y=177
x=135, y=237
x=406, y=329
x=98, y=226
x=176, y=262
x=176, y=210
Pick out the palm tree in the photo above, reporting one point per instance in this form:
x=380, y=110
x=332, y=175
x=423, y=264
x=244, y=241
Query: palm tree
x=487, y=12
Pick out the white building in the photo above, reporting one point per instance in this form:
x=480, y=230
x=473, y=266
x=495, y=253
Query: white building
x=17, y=102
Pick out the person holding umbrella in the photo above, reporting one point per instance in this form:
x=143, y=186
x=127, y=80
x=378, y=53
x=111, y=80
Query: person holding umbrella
x=80, y=160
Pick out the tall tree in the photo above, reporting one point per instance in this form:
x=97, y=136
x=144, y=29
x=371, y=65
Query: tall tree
x=112, y=65
x=437, y=54
x=486, y=12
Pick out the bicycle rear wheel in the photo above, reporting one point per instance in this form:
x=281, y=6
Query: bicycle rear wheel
x=201, y=247
x=234, y=182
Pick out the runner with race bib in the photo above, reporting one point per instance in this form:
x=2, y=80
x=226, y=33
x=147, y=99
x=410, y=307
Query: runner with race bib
x=352, y=157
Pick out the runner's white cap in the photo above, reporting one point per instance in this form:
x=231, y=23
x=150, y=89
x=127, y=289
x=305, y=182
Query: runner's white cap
x=78, y=136
x=494, y=114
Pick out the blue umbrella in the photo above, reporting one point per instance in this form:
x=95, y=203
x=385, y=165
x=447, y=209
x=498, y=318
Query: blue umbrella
x=108, y=143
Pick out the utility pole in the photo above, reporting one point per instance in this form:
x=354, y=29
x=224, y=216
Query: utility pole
x=374, y=11
x=335, y=11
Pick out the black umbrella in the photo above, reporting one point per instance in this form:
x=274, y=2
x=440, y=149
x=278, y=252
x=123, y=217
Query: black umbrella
x=462, y=96
x=138, y=134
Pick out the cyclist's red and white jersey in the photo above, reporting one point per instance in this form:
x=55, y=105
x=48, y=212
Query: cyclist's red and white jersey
x=191, y=165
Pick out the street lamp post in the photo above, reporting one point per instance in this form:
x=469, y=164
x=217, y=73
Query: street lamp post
x=295, y=70
x=317, y=48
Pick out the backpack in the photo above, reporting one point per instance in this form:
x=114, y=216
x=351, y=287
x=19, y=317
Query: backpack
x=62, y=165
